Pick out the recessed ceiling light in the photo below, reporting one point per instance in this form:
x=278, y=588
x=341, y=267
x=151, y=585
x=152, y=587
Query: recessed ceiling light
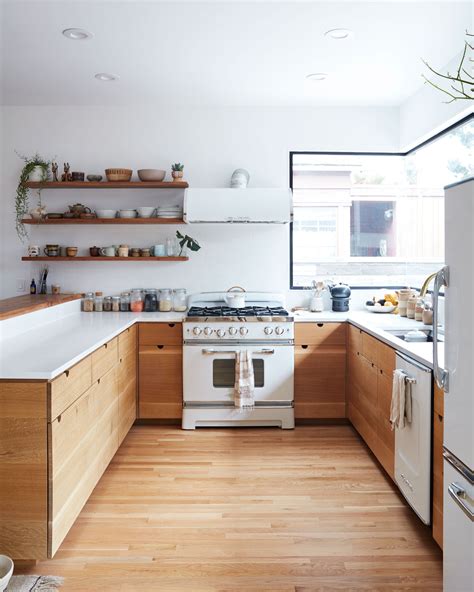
x=77, y=34
x=104, y=77
x=317, y=76
x=339, y=34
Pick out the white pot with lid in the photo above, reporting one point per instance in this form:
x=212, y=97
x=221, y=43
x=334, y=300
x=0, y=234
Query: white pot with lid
x=235, y=297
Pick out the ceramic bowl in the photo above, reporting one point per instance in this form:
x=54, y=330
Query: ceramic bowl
x=127, y=213
x=6, y=571
x=106, y=213
x=94, y=178
x=145, y=211
x=151, y=174
x=380, y=309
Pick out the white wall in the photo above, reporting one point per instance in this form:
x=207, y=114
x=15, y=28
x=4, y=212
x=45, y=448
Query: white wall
x=211, y=143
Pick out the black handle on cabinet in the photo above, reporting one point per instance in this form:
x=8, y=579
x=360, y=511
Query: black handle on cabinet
x=320, y=324
x=160, y=346
x=67, y=373
x=171, y=325
x=304, y=346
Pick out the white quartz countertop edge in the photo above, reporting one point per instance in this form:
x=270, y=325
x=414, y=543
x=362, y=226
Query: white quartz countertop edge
x=48, y=350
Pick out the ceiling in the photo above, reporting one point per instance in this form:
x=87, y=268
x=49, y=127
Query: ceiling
x=225, y=53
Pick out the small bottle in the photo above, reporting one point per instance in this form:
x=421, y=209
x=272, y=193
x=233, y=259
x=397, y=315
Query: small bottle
x=115, y=303
x=125, y=302
x=98, y=302
x=88, y=302
x=33, y=286
x=107, y=305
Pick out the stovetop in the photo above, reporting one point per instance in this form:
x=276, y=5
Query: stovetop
x=248, y=312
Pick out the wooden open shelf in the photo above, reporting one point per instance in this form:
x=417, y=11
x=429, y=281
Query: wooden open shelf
x=107, y=185
x=56, y=221
x=109, y=259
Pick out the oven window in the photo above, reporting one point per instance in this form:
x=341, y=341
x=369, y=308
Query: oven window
x=223, y=373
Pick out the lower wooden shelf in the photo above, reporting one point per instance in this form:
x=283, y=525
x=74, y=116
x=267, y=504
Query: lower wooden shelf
x=109, y=259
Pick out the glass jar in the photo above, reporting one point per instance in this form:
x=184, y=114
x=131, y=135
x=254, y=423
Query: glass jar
x=98, y=304
x=179, y=300
x=136, y=301
x=166, y=301
x=107, y=306
x=125, y=302
x=88, y=302
x=115, y=303
x=151, y=300
x=411, y=305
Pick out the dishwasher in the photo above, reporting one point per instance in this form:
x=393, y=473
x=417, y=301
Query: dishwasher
x=413, y=442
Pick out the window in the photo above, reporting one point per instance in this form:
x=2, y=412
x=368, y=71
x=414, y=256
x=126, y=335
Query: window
x=375, y=219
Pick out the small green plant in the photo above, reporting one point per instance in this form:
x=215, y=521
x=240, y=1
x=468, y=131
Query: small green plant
x=177, y=167
x=22, y=191
x=187, y=241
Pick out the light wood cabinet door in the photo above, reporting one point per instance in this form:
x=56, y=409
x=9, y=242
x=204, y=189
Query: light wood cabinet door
x=104, y=359
x=363, y=403
x=370, y=347
x=69, y=386
x=385, y=450
x=127, y=382
x=320, y=376
x=83, y=441
x=354, y=339
x=160, y=382
x=322, y=334
x=438, y=465
x=160, y=334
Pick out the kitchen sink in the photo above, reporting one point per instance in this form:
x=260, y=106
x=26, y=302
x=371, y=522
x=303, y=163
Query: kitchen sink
x=401, y=334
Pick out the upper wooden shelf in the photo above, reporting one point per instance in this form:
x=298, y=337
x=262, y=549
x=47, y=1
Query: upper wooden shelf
x=99, y=221
x=108, y=185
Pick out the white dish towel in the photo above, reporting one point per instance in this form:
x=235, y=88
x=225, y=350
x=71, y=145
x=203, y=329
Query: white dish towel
x=400, y=408
x=244, y=380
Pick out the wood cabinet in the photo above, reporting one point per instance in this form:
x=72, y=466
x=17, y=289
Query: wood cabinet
x=369, y=391
x=160, y=334
x=438, y=464
x=320, y=370
x=56, y=439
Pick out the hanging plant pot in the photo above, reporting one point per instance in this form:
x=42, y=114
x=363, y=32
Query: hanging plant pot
x=37, y=174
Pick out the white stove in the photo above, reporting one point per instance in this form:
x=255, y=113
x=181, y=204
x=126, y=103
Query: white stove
x=213, y=334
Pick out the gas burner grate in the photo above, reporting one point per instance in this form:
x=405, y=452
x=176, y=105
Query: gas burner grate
x=247, y=311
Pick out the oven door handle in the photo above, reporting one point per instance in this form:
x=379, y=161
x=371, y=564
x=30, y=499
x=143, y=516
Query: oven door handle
x=216, y=352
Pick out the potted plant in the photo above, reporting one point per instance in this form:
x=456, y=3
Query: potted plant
x=34, y=169
x=186, y=242
x=177, y=171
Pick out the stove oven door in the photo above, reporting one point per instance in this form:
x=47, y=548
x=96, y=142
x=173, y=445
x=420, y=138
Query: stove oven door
x=209, y=373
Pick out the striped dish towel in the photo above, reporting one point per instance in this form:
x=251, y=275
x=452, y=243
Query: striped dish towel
x=244, y=380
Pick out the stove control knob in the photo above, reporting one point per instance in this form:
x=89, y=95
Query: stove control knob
x=197, y=330
x=232, y=331
x=207, y=331
x=279, y=330
x=243, y=330
x=268, y=330
x=220, y=332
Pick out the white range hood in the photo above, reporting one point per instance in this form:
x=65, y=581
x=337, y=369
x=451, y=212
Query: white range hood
x=238, y=206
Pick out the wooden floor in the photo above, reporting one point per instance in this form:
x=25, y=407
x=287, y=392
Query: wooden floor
x=246, y=510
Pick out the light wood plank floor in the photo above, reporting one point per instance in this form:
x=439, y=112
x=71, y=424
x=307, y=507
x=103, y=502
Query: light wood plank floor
x=246, y=510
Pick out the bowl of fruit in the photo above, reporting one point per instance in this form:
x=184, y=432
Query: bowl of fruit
x=383, y=304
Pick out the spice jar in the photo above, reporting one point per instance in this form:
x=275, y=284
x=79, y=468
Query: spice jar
x=115, y=303
x=98, y=302
x=166, y=303
x=151, y=300
x=136, y=302
x=179, y=300
x=88, y=302
x=419, y=309
x=125, y=302
x=427, y=314
x=411, y=305
x=107, y=305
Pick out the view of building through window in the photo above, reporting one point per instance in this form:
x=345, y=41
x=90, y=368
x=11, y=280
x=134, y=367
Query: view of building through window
x=380, y=217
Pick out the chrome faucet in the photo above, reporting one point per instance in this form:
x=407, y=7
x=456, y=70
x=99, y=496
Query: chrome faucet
x=426, y=283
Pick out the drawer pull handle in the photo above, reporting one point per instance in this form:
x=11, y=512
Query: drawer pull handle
x=106, y=345
x=98, y=381
x=171, y=325
x=304, y=347
x=59, y=418
x=67, y=373
x=160, y=346
x=320, y=324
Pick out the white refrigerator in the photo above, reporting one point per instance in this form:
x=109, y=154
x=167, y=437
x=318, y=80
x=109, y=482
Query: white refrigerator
x=456, y=377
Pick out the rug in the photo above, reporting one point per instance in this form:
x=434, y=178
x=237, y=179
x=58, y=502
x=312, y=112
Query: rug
x=34, y=584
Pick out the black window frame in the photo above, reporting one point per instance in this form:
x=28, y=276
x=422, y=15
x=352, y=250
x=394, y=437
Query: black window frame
x=292, y=153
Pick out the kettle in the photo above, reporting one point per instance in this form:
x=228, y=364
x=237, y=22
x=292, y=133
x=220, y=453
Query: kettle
x=235, y=299
x=340, y=296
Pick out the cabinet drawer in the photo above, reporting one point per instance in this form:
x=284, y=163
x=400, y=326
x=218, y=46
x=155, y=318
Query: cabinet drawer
x=354, y=339
x=104, y=359
x=83, y=440
x=386, y=359
x=70, y=385
x=160, y=334
x=326, y=334
x=370, y=347
x=127, y=342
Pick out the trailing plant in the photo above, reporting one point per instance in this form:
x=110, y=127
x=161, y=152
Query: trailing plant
x=177, y=166
x=187, y=241
x=461, y=83
x=22, y=191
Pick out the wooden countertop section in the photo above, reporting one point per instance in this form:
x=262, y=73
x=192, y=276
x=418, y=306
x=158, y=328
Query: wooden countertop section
x=19, y=305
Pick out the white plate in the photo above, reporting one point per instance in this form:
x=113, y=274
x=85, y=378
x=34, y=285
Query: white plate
x=380, y=309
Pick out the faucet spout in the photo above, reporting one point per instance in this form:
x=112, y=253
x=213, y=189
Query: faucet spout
x=426, y=283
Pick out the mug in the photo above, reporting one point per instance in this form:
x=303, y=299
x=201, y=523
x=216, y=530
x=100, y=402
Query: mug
x=51, y=250
x=145, y=252
x=107, y=252
x=55, y=289
x=94, y=251
x=33, y=251
x=159, y=250
x=71, y=251
x=135, y=252
x=123, y=251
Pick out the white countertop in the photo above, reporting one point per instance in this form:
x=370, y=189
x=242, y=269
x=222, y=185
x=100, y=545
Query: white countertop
x=45, y=351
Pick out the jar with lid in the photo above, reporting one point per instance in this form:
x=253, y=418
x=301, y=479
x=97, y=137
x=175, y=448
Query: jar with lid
x=107, y=305
x=125, y=302
x=179, y=300
x=115, y=303
x=411, y=305
x=166, y=301
x=419, y=309
x=98, y=302
x=151, y=300
x=136, y=301
x=88, y=302
x=427, y=314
